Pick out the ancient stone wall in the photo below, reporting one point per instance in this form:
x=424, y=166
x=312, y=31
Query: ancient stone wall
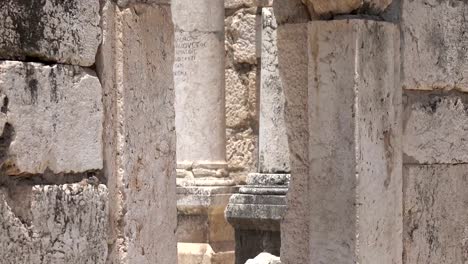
x=87, y=132
x=53, y=207
x=241, y=87
x=435, y=124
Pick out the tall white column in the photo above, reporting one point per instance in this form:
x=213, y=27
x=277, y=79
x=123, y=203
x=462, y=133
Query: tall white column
x=203, y=184
x=199, y=86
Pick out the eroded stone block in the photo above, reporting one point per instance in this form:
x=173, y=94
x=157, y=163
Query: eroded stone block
x=436, y=128
x=435, y=39
x=58, y=31
x=291, y=11
x=435, y=214
x=51, y=118
x=53, y=224
x=329, y=7
x=241, y=36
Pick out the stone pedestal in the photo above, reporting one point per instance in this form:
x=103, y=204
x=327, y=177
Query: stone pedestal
x=256, y=212
x=201, y=224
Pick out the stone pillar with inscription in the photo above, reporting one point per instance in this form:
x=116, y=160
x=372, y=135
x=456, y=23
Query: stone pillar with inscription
x=203, y=185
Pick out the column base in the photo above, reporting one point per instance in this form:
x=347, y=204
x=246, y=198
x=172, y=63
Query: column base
x=202, y=169
x=203, y=233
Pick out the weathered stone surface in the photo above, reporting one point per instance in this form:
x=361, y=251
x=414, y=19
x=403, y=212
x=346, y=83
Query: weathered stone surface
x=135, y=68
x=435, y=39
x=293, y=66
x=436, y=128
x=355, y=142
x=256, y=212
x=241, y=153
x=66, y=32
x=237, y=4
x=291, y=11
x=328, y=7
x=435, y=214
x=268, y=179
x=241, y=93
x=240, y=98
x=241, y=35
x=129, y=3
x=273, y=141
x=53, y=224
x=264, y=258
x=51, y=118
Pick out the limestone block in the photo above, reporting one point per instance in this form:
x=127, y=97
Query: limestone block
x=53, y=224
x=268, y=179
x=326, y=7
x=51, y=118
x=241, y=96
x=435, y=214
x=293, y=68
x=436, y=127
x=240, y=150
x=264, y=258
x=58, y=31
x=291, y=11
x=241, y=35
x=258, y=211
x=273, y=141
x=135, y=68
x=355, y=142
x=434, y=52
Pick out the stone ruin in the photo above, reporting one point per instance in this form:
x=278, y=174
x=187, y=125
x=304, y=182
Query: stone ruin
x=232, y=132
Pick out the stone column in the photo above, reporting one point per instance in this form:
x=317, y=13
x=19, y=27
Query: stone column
x=135, y=69
x=203, y=184
x=199, y=86
x=435, y=152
